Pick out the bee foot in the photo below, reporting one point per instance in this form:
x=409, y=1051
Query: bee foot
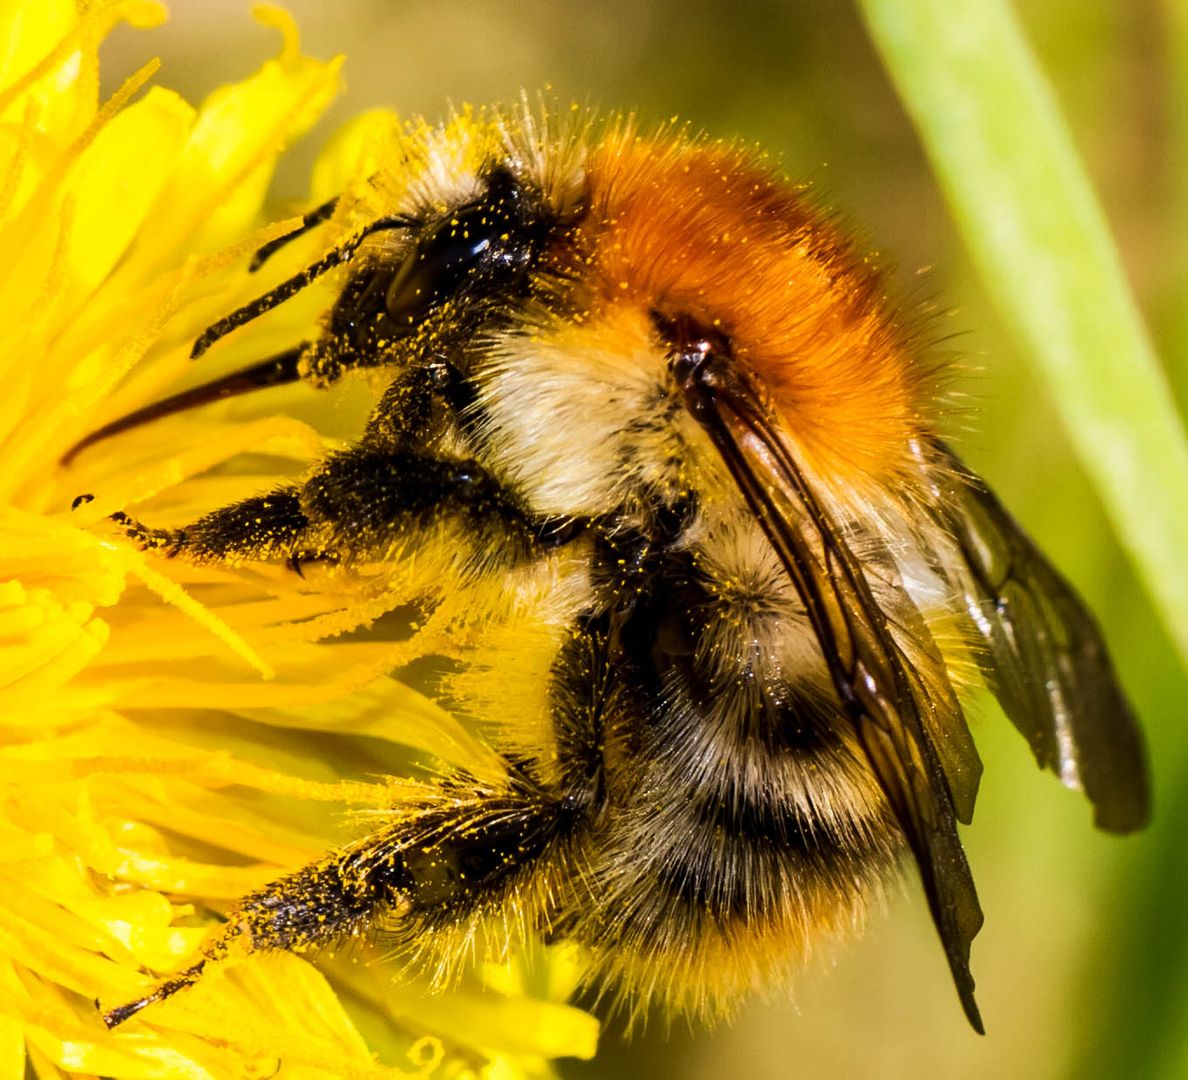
x=113, y=1018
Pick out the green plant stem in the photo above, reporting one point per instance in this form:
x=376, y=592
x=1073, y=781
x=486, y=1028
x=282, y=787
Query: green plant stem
x=1005, y=159
x=1174, y=326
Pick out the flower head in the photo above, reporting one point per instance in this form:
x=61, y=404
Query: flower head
x=173, y=736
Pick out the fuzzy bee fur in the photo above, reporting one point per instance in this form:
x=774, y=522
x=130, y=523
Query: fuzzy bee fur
x=649, y=409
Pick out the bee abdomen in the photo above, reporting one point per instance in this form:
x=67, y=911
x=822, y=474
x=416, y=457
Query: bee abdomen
x=747, y=854
x=742, y=830
x=706, y=889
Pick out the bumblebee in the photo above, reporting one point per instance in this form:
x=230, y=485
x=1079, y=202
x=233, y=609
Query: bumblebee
x=652, y=423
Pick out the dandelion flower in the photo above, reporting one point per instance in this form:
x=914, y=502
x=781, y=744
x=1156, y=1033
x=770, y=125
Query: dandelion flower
x=174, y=736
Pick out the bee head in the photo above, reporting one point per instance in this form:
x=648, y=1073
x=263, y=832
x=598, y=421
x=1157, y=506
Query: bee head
x=446, y=276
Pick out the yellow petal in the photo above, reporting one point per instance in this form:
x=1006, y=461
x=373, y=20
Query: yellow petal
x=227, y=164
x=516, y=1027
x=112, y=195
x=356, y=151
x=30, y=32
x=128, y=1058
x=12, y=1045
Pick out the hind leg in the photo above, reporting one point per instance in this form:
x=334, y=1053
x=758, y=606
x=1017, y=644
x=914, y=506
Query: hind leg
x=459, y=855
x=424, y=878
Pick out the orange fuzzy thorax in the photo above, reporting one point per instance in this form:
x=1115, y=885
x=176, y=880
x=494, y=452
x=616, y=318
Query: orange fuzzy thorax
x=703, y=229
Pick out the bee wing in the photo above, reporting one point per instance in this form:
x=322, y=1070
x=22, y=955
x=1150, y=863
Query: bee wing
x=882, y=693
x=1045, y=659
x=943, y=719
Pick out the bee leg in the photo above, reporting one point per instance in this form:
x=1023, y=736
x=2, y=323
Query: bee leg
x=419, y=407
x=449, y=857
x=263, y=527
x=439, y=865
x=356, y=506
x=367, y=501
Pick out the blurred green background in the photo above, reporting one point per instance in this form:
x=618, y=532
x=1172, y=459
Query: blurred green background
x=1082, y=968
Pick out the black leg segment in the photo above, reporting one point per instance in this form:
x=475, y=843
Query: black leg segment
x=438, y=866
x=358, y=504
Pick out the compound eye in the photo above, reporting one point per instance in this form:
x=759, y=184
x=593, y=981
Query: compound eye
x=441, y=260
